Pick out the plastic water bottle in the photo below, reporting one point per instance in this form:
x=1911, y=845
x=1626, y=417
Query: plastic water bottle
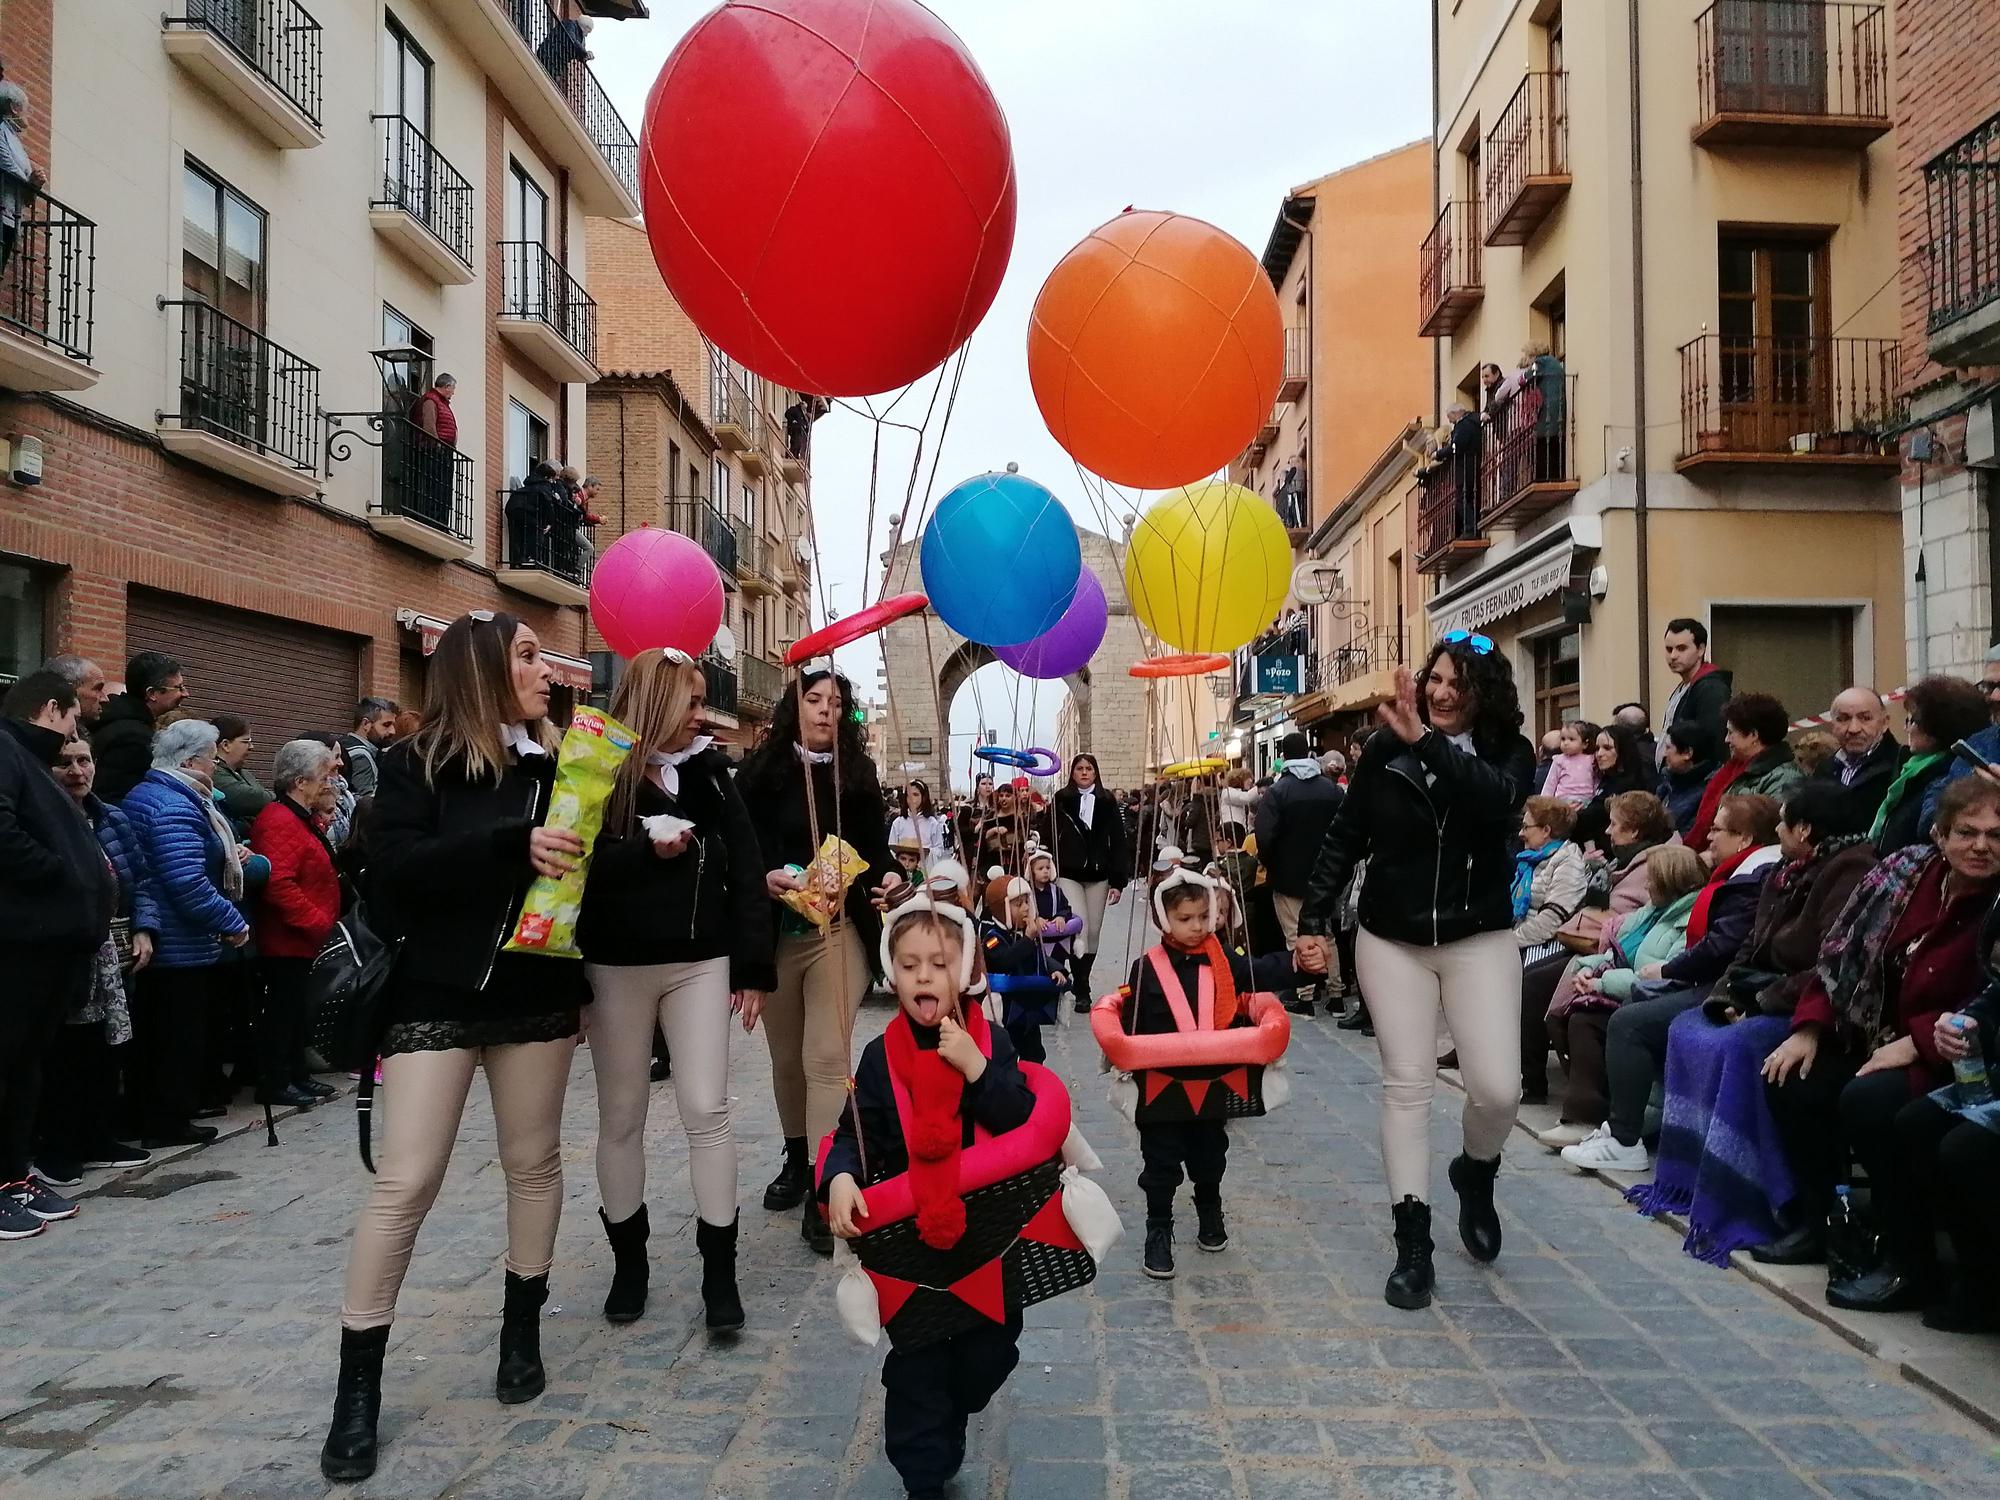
x=1969, y=1071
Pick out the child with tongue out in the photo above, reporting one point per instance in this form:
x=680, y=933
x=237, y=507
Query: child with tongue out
x=954, y=1073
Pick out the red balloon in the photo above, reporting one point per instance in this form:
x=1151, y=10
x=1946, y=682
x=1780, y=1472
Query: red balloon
x=829, y=189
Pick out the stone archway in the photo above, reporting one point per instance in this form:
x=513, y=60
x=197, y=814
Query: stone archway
x=925, y=662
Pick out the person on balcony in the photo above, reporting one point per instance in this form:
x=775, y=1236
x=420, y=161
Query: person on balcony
x=20, y=178
x=533, y=510
x=1545, y=376
x=1463, y=453
x=435, y=451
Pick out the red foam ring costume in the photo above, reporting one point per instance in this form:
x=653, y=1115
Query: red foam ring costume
x=1206, y=1068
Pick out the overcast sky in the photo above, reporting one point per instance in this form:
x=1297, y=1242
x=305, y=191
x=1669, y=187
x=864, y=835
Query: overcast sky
x=1190, y=105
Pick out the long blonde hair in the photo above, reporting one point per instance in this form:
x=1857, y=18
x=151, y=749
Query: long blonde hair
x=652, y=701
x=470, y=699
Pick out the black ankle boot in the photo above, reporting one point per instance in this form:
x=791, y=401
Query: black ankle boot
x=627, y=1297
x=1478, y=1223
x=349, y=1453
x=717, y=1243
x=814, y=1231
x=1159, y=1256
x=1211, y=1230
x=1410, y=1283
x=788, y=1188
x=521, y=1377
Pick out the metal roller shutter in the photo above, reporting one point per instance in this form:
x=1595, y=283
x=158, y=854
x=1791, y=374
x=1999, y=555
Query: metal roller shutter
x=279, y=676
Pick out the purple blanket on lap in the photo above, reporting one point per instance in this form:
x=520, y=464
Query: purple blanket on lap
x=1721, y=1161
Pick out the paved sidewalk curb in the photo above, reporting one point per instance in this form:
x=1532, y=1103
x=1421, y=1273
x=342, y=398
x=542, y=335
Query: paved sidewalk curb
x=228, y=1128
x=1962, y=1373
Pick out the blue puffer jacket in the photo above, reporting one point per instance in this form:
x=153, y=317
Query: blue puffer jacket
x=137, y=895
x=186, y=858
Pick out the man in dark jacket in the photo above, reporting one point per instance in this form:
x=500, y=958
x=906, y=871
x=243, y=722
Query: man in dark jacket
x=1292, y=820
x=1868, y=758
x=1703, y=688
x=123, y=739
x=1468, y=442
x=56, y=899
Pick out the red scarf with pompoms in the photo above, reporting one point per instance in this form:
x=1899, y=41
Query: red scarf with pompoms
x=931, y=1096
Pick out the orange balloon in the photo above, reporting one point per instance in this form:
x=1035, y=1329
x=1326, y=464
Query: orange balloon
x=1156, y=350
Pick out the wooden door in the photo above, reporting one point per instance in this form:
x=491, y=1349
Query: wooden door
x=1770, y=57
x=1773, y=370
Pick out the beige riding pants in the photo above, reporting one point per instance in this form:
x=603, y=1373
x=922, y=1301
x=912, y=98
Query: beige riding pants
x=1087, y=901
x=423, y=1097
x=808, y=1022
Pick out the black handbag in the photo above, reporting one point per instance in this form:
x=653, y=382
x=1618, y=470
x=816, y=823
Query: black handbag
x=346, y=992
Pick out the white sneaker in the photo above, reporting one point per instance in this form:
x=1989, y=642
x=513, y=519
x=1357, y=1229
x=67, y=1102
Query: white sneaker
x=1600, y=1152
x=1566, y=1134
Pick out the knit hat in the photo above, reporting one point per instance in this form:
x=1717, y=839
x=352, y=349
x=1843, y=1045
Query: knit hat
x=1000, y=890
x=918, y=906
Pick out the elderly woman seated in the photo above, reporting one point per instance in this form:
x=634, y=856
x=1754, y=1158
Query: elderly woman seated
x=1721, y=1162
x=1904, y=952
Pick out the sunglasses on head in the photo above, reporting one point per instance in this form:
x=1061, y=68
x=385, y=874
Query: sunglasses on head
x=1477, y=644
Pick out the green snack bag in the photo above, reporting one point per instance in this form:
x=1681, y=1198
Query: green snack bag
x=586, y=769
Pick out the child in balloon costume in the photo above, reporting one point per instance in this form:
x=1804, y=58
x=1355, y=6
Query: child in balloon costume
x=1018, y=967
x=1187, y=1065
x=954, y=1176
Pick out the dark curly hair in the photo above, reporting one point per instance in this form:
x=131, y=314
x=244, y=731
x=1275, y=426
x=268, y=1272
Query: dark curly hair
x=1947, y=709
x=1759, y=714
x=1496, y=705
x=773, y=759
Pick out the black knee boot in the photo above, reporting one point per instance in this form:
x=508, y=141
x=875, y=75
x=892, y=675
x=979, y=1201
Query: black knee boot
x=349, y=1453
x=1080, y=967
x=627, y=1297
x=1411, y=1282
x=788, y=1188
x=717, y=1243
x=1478, y=1223
x=521, y=1377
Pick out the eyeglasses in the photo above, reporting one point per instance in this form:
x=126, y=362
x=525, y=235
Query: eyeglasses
x=1477, y=644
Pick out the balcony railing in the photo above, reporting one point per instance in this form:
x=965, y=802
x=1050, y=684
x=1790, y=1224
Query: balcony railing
x=535, y=540
x=277, y=38
x=1527, y=159
x=242, y=387
x=1298, y=365
x=48, y=279
x=535, y=285
x=424, y=480
x=1962, y=212
x=1367, y=651
x=420, y=182
x=1448, y=514
x=753, y=558
x=1528, y=464
x=1792, y=72
x=721, y=676
x=697, y=519
x=1448, y=271
x=759, y=683
x=558, y=46
x=1759, y=399
x=732, y=413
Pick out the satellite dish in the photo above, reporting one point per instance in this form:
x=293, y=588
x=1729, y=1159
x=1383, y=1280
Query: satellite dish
x=724, y=644
x=1315, y=582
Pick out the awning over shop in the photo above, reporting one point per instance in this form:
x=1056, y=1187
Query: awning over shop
x=570, y=671
x=1531, y=573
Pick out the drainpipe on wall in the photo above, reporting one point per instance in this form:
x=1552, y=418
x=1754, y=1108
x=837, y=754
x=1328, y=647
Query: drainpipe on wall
x=1641, y=550
x=1437, y=186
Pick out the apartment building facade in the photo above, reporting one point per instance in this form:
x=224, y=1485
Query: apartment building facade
x=1357, y=375
x=1948, y=195
x=684, y=437
x=267, y=226
x=1679, y=215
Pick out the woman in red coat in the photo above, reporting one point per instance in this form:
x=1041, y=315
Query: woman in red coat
x=295, y=912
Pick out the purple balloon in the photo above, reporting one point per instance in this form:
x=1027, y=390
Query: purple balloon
x=1068, y=645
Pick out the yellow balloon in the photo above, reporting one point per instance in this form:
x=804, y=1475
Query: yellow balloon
x=1209, y=567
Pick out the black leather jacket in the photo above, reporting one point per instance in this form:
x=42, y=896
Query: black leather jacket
x=1434, y=824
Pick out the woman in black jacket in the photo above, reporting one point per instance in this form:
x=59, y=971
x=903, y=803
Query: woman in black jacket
x=809, y=780
x=1432, y=806
x=457, y=841
x=1086, y=833
x=675, y=932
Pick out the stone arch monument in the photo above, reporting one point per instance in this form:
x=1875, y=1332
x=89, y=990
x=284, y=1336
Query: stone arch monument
x=922, y=679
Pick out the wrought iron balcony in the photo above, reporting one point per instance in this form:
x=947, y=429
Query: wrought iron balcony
x=759, y=683
x=1528, y=463
x=696, y=518
x=1792, y=73
x=47, y=299
x=737, y=422
x=1527, y=159
x=1962, y=213
x=1448, y=529
x=558, y=47
x=1298, y=365
x=721, y=676
x=754, y=569
x=263, y=57
x=1812, y=401
x=1448, y=271
x=548, y=555
x=546, y=312
x=425, y=498
x=1366, y=651
x=248, y=405
x=422, y=202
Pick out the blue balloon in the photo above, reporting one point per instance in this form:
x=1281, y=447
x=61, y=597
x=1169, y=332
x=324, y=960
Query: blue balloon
x=1000, y=559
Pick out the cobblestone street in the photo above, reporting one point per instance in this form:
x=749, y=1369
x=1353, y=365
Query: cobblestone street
x=178, y=1340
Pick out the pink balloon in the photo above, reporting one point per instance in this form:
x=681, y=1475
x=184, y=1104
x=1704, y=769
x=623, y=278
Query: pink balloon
x=1068, y=645
x=656, y=588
